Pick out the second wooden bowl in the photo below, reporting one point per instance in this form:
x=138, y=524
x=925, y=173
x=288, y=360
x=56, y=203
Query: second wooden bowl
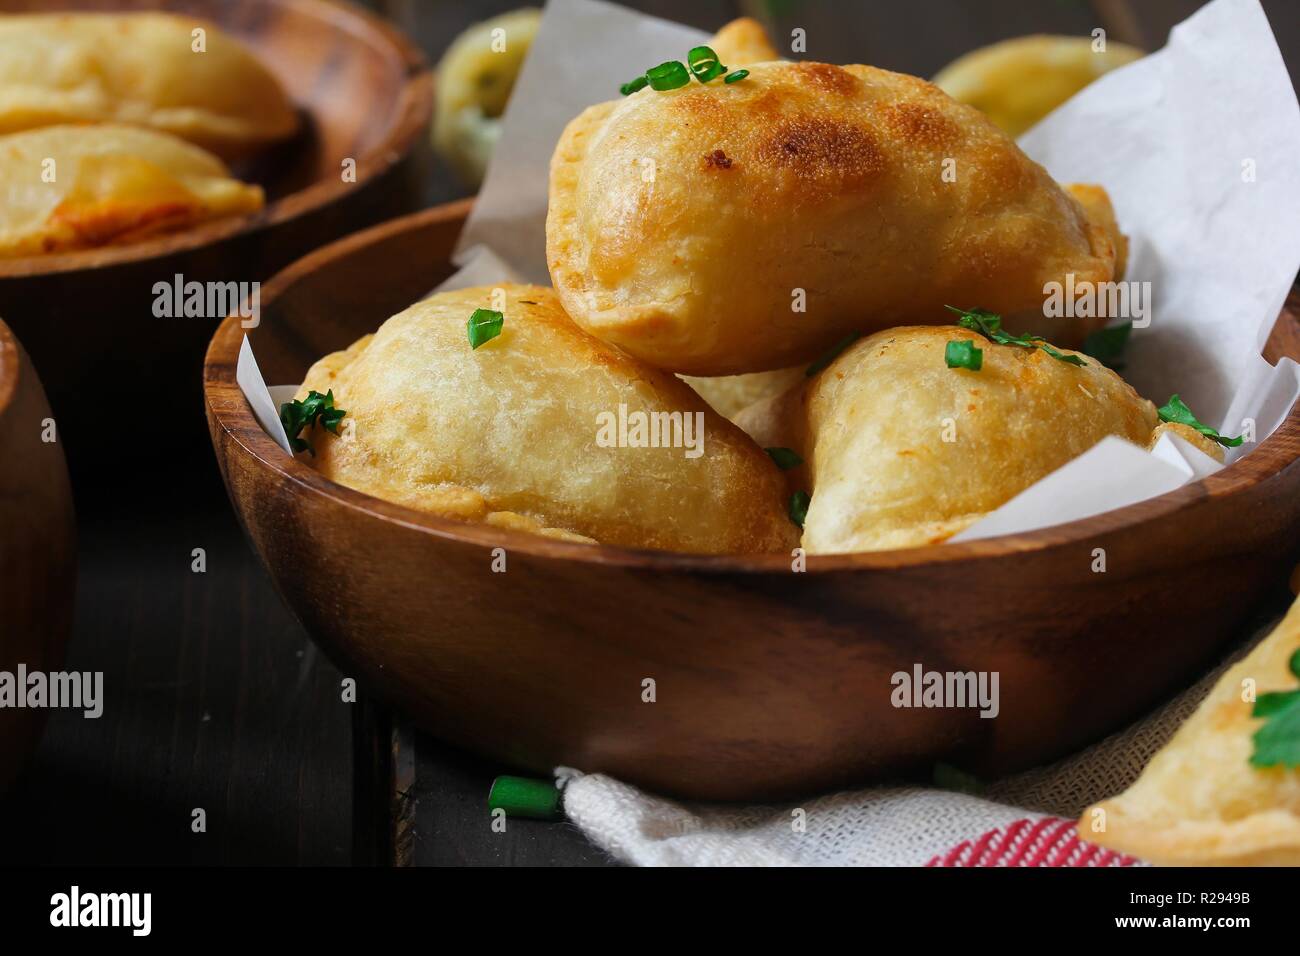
x=37, y=545
x=765, y=683
x=363, y=93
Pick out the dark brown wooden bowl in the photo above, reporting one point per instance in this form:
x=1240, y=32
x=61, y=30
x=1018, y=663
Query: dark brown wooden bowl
x=768, y=683
x=363, y=92
x=37, y=546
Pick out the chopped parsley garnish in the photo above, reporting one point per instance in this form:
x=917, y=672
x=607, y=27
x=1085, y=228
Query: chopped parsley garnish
x=484, y=325
x=1177, y=412
x=799, y=502
x=704, y=65
x=297, y=415
x=1108, y=344
x=831, y=355
x=1274, y=702
x=785, y=458
x=1277, y=743
x=962, y=353
x=989, y=325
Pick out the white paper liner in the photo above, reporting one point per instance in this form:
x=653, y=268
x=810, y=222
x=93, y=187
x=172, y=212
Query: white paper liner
x=265, y=402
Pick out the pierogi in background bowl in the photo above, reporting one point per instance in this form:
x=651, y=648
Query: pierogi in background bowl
x=113, y=128
x=179, y=75
x=144, y=150
x=117, y=184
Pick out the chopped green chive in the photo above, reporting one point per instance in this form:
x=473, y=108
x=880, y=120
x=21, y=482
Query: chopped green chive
x=297, y=415
x=948, y=777
x=785, y=458
x=484, y=325
x=1294, y=663
x=1107, y=345
x=1176, y=411
x=989, y=325
x=525, y=797
x=799, y=502
x=631, y=86
x=704, y=64
x=831, y=355
x=668, y=76
x=962, y=353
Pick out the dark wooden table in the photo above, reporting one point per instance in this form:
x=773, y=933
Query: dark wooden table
x=217, y=700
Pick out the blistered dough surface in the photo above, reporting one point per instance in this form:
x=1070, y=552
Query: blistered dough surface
x=508, y=433
x=721, y=229
x=1200, y=802
x=64, y=188
x=902, y=451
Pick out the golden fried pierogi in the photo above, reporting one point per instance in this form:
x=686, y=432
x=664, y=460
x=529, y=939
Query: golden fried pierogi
x=900, y=450
x=146, y=69
x=475, y=78
x=542, y=428
x=1017, y=82
x=1216, y=795
x=64, y=188
x=725, y=228
x=743, y=42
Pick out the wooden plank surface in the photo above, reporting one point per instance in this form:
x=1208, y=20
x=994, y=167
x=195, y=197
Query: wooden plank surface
x=217, y=699
x=214, y=699
x=446, y=820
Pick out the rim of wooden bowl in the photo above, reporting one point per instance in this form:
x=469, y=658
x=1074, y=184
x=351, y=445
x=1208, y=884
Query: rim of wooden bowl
x=411, y=115
x=233, y=415
x=9, y=367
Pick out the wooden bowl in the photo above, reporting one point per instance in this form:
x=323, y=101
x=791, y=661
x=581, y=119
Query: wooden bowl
x=363, y=92
x=37, y=545
x=767, y=683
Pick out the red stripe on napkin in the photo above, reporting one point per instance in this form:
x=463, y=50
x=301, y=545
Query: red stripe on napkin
x=1049, y=841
